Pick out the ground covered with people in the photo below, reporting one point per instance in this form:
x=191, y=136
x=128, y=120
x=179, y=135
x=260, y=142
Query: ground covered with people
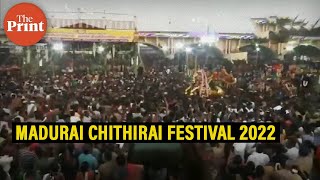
x=159, y=96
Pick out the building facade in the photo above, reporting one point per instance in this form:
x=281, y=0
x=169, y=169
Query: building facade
x=103, y=30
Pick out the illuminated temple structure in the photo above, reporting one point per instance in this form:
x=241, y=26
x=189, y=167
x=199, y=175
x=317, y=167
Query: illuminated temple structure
x=104, y=30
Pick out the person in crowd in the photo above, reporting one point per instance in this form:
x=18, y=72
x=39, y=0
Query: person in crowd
x=258, y=157
x=42, y=163
x=54, y=173
x=305, y=159
x=87, y=156
x=135, y=171
x=120, y=169
x=248, y=171
x=68, y=161
x=107, y=168
x=85, y=173
x=292, y=149
x=5, y=165
x=234, y=168
x=260, y=173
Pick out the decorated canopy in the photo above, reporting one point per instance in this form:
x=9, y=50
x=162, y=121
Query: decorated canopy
x=91, y=30
x=91, y=35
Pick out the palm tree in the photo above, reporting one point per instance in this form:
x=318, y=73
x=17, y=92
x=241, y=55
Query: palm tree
x=265, y=56
x=286, y=27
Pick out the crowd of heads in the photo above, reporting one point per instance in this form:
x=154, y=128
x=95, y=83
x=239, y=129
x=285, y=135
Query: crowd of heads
x=158, y=96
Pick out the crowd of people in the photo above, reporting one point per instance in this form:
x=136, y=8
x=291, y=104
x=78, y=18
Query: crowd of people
x=159, y=96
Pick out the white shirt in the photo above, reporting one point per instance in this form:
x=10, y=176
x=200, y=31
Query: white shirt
x=74, y=119
x=61, y=121
x=7, y=111
x=20, y=117
x=5, y=162
x=249, y=148
x=259, y=159
x=292, y=153
x=86, y=119
x=240, y=149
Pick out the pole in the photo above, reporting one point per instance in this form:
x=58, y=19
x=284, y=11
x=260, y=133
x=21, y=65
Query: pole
x=113, y=55
x=105, y=64
x=257, y=58
x=179, y=62
x=196, y=63
x=73, y=54
x=28, y=59
x=53, y=69
x=187, y=64
x=136, y=63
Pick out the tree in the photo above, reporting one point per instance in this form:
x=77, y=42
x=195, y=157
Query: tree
x=282, y=33
x=260, y=40
x=264, y=56
x=315, y=32
x=152, y=55
x=281, y=37
x=310, y=51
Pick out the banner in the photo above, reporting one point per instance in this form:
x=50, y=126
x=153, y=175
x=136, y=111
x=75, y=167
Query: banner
x=145, y=133
x=90, y=35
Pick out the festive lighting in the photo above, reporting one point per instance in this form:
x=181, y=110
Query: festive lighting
x=100, y=49
x=179, y=45
x=188, y=49
x=58, y=47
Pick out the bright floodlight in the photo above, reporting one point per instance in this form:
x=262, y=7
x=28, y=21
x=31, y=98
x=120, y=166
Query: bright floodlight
x=100, y=49
x=258, y=49
x=208, y=39
x=188, y=49
x=58, y=46
x=179, y=45
x=289, y=48
x=257, y=45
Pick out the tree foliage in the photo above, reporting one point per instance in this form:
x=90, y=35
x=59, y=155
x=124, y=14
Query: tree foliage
x=310, y=51
x=265, y=55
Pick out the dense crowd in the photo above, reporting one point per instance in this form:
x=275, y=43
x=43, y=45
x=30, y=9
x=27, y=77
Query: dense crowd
x=159, y=96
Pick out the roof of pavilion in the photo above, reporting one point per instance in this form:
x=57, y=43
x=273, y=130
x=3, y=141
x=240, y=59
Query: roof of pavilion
x=179, y=34
x=82, y=26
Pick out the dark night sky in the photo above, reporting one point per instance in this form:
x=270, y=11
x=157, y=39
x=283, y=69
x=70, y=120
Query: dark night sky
x=185, y=15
